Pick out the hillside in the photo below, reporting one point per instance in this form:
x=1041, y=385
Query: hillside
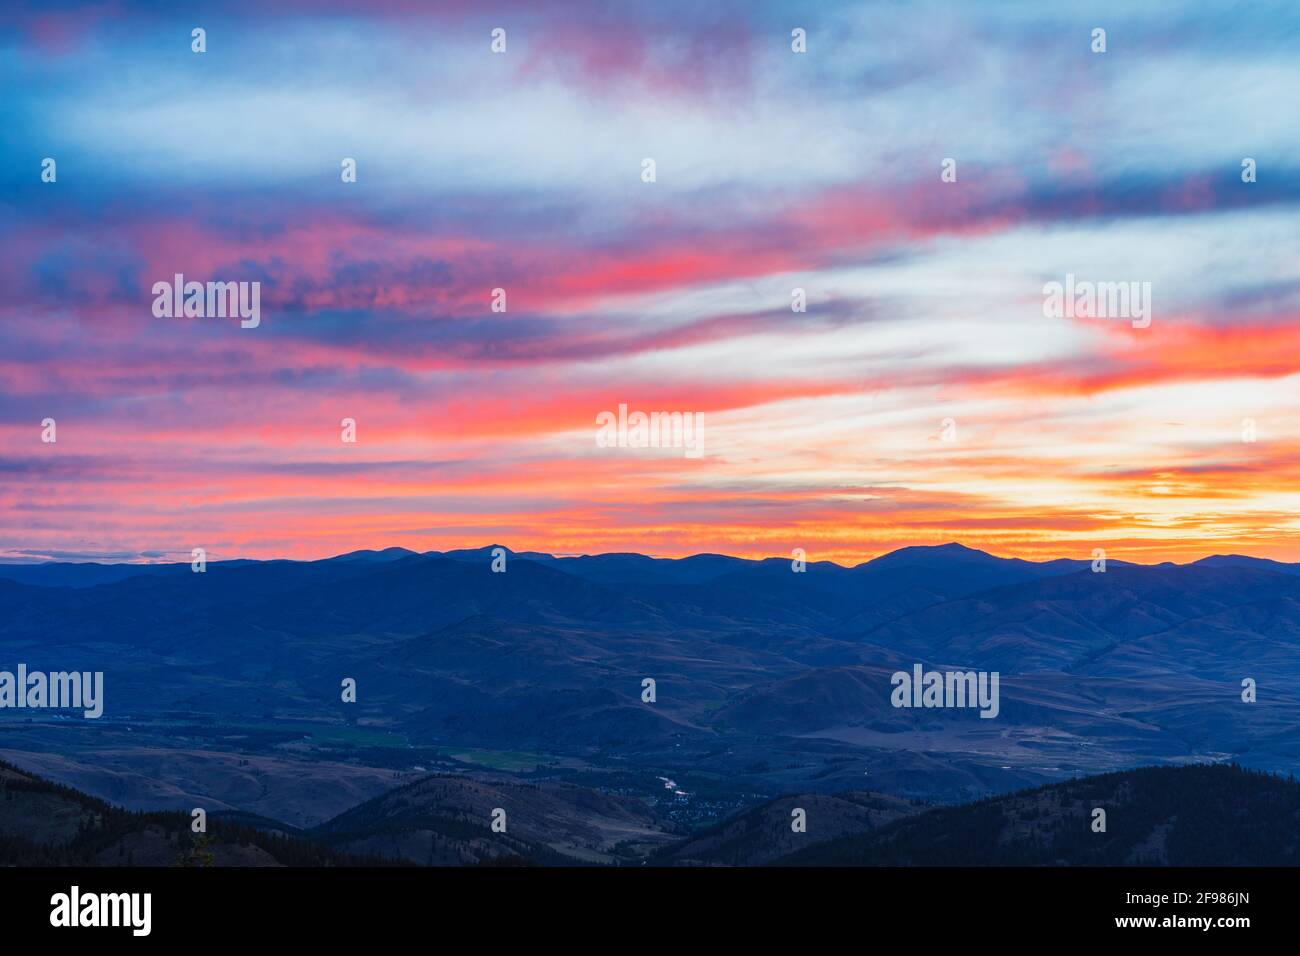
x=45, y=824
x=446, y=821
x=765, y=833
x=1155, y=816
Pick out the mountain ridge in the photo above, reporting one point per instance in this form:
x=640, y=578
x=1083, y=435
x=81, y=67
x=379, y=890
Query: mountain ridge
x=94, y=571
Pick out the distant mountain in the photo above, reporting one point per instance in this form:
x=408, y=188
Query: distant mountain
x=954, y=556
x=1242, y=561
x=387, y=554
x=639, y=569
x=487, y=553
x=81, y=574
x=966, y=568
x=1156, y=816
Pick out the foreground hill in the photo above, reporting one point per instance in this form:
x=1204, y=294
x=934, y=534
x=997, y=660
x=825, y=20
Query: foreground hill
x=765, y=833
x=446, y=821
x=44, y=824
x=437, y=821
x=1155, y=816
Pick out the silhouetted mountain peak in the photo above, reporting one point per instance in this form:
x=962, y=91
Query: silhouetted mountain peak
x=387, y=554
x=934, y=553
x=487, y=552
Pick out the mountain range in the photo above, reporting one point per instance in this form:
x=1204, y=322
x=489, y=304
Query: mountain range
x=223, y=689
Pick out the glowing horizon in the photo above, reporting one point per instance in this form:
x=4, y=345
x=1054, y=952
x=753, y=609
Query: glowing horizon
x=179, y=559
x=823, y=430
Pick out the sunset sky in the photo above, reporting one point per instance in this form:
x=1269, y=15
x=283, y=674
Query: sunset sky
x=775, y=170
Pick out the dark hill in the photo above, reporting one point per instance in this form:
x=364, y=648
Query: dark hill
x=45, y=824
x=1156, y=816
x=446, y=821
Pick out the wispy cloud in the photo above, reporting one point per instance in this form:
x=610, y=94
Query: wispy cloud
x=775, y=171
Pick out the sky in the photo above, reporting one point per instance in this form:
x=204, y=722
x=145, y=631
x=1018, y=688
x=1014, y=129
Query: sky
x=924, y=395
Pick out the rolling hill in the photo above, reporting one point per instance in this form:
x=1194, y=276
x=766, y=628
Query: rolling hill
x=1197, y=815
x=45, y=824
x=1155, y=816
